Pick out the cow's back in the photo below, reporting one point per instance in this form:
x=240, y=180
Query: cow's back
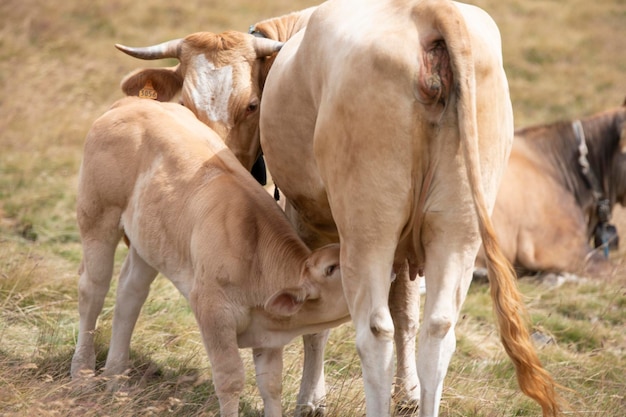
x=360, y=63
x=138, y=155
x=173, y=182
x=125, y=141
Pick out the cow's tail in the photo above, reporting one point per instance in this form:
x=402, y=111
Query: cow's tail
x=450, y=34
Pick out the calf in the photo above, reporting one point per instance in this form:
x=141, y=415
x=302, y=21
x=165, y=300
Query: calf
x=154, y=173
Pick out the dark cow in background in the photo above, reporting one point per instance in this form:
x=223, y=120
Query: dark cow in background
x=558, y=191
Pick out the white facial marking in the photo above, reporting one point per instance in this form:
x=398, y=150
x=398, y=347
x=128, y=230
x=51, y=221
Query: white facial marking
x=212, y=89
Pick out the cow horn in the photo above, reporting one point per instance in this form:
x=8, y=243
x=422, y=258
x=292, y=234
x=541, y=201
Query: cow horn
x=265, y=47
x=169, y=49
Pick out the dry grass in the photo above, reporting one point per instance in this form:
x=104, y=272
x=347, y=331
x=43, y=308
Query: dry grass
x=59, y=71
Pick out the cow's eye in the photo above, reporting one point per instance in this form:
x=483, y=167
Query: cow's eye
x=252, y=107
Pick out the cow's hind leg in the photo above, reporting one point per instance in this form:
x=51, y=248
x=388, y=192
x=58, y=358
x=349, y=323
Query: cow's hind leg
x=366, y=278
x=448, y=275
x=99, y=244
x=312, y=393
x=132, y=291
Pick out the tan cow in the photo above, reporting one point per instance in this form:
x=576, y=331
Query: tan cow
x=154, y=173
x=403, y=298
x=561, y=183
x=219, y=78
x=387, y=125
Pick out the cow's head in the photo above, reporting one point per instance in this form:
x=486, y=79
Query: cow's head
x=219, y=78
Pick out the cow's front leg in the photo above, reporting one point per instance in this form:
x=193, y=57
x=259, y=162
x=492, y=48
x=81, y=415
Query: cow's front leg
x=313, y=386
x=404, y=304
x=268, y=363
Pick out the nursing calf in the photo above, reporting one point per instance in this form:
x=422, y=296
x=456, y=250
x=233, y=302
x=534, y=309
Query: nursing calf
x=153, y=173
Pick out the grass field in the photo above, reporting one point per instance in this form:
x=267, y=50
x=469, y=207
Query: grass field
x=59, y=71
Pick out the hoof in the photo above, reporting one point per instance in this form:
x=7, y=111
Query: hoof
x=407, y=408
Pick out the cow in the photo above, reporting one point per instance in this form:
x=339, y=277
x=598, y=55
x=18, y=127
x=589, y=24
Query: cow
x=404, y=293
x=558, y=191
x=219, y=78
x=387, y=126
x=154, y=174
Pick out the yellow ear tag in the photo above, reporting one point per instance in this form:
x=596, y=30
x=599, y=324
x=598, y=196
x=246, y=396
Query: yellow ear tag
x=148, y=91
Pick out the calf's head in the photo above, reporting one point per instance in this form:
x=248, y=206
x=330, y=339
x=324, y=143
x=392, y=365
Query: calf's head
x=318, y=300
x=219, y=78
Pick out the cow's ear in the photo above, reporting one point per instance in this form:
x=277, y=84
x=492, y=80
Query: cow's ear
x=160, y=84
x=286, y=302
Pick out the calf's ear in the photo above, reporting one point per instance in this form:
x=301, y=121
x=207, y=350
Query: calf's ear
x=286, y=302
x=160, y=84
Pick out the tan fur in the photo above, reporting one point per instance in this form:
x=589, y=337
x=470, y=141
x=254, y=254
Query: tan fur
x=284, y=27
x=280, y=29
x=241, y=53
x=375, y=124
x=154, y=173
x=533, y=379
x=366, y=177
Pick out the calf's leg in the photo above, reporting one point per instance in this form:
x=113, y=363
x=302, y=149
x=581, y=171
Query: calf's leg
x=313, y=387
x=93, y=285
x=268, y=363
x=132, y=291
x=219, y=335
